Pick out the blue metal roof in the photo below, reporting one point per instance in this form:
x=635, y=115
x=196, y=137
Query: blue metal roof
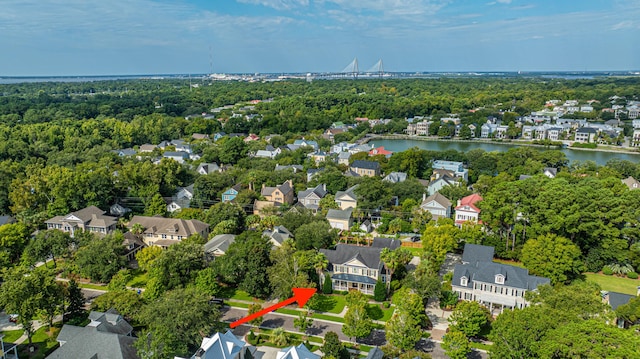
x=354, y=278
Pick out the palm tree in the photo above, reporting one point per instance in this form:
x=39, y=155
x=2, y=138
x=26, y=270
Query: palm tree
x=392, y=259
x=137, y=229
x=279, y=337
x=320, y=264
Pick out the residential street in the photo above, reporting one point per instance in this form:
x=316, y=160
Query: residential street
x=321, y=327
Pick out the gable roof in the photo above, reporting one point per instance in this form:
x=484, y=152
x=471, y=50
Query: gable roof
x=104, y=337
x=279, y=234
x=338, y=214
x=220, y=346
x=369, y=165
x=172, y=226
x=615, y=299
x=470, y=201
x=375, y=353
x=297, y=352
x=631, y=182
x=382, y=242
x=515, y=277
x=438, y=198
x=369, y=256
x=208, y=168
x=474, y=253
x=349, y=192
x=319, y=190
x=395, y=177
x=220, y=242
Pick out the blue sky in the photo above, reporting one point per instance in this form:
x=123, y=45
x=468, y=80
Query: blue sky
x=101, y=37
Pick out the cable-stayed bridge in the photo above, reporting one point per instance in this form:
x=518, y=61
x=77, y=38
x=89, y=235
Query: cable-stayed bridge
x=353, y=71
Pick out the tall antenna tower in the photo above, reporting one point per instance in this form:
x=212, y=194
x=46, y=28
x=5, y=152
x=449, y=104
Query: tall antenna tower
x=210, y=60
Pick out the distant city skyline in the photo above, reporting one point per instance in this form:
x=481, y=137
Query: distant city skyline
x=126, y=37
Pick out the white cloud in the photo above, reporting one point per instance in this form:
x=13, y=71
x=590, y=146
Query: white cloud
x=278, y=4
x=627, y=24
x=504, y=1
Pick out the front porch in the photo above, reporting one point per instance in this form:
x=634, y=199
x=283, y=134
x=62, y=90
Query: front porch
x=346, y=282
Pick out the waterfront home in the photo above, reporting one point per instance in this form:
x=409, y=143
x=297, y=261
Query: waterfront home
x=467, y=211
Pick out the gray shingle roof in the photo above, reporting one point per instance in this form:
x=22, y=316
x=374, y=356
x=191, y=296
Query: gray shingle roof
x=381, y=242
x=369, y=256
x=370, y=165
x=474, y=253
x=515, y=277
x=339, y=214
x=221, y=242
x=617, y=299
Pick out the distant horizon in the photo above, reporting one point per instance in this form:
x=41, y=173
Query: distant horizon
x=100, y=38
x=256, y=73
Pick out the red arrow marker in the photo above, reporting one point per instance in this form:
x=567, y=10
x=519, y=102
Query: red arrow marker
x=300, y=295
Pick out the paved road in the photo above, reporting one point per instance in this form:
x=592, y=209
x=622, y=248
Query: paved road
x=320, y=328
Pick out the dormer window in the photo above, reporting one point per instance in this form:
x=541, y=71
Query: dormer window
x=499, y=279
x=464, y=281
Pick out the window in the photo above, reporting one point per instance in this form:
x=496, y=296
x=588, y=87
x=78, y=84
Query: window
x=464, y=281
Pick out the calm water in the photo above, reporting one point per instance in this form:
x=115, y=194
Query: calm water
x=600, y=158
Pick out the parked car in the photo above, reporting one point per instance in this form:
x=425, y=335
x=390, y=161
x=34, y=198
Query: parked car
x=13, y=318
x=216, y=301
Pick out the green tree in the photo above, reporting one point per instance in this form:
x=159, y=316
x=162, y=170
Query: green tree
x=75, y=300
x=403, y=330
x=26, y=293
x=517, y=333
x=465, y=132
x=13, y=239
x=424, y=281
x=333, y=347
x=223, y=212
x=289, y=269
x=379, y=291
x=280, y=337
x=357, y=323
x=155, y=206
x=456, y=345
x=327, y=286
x=580, y=300
x=207, y=282
x=176, y=267
x=315, y=235
x=394, y=260
x=303, y=322
x=175, y=323
x=119, y=280
x=320, y=264
x=147, y=255
x=101, y=258
x=233, y=150
x=438, y=239
x=589, y=339
x=373, y=193
x=469, y=318
x=252, y=309
x=47, y=244
x=125, y=302
x=553, y=257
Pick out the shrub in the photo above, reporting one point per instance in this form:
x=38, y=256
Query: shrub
x=386, y=305
x=606, y=270
x=632, y=275
x=327, y=287
x=379, y=291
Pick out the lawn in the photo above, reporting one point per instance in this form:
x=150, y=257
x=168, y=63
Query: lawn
x=10, y=336
x=232, y=293
x=509, y=262
x=614, y=284
x=416, y=251
x=93, y=286
x=45, y=342
x=327, y=303
x=138, y=279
